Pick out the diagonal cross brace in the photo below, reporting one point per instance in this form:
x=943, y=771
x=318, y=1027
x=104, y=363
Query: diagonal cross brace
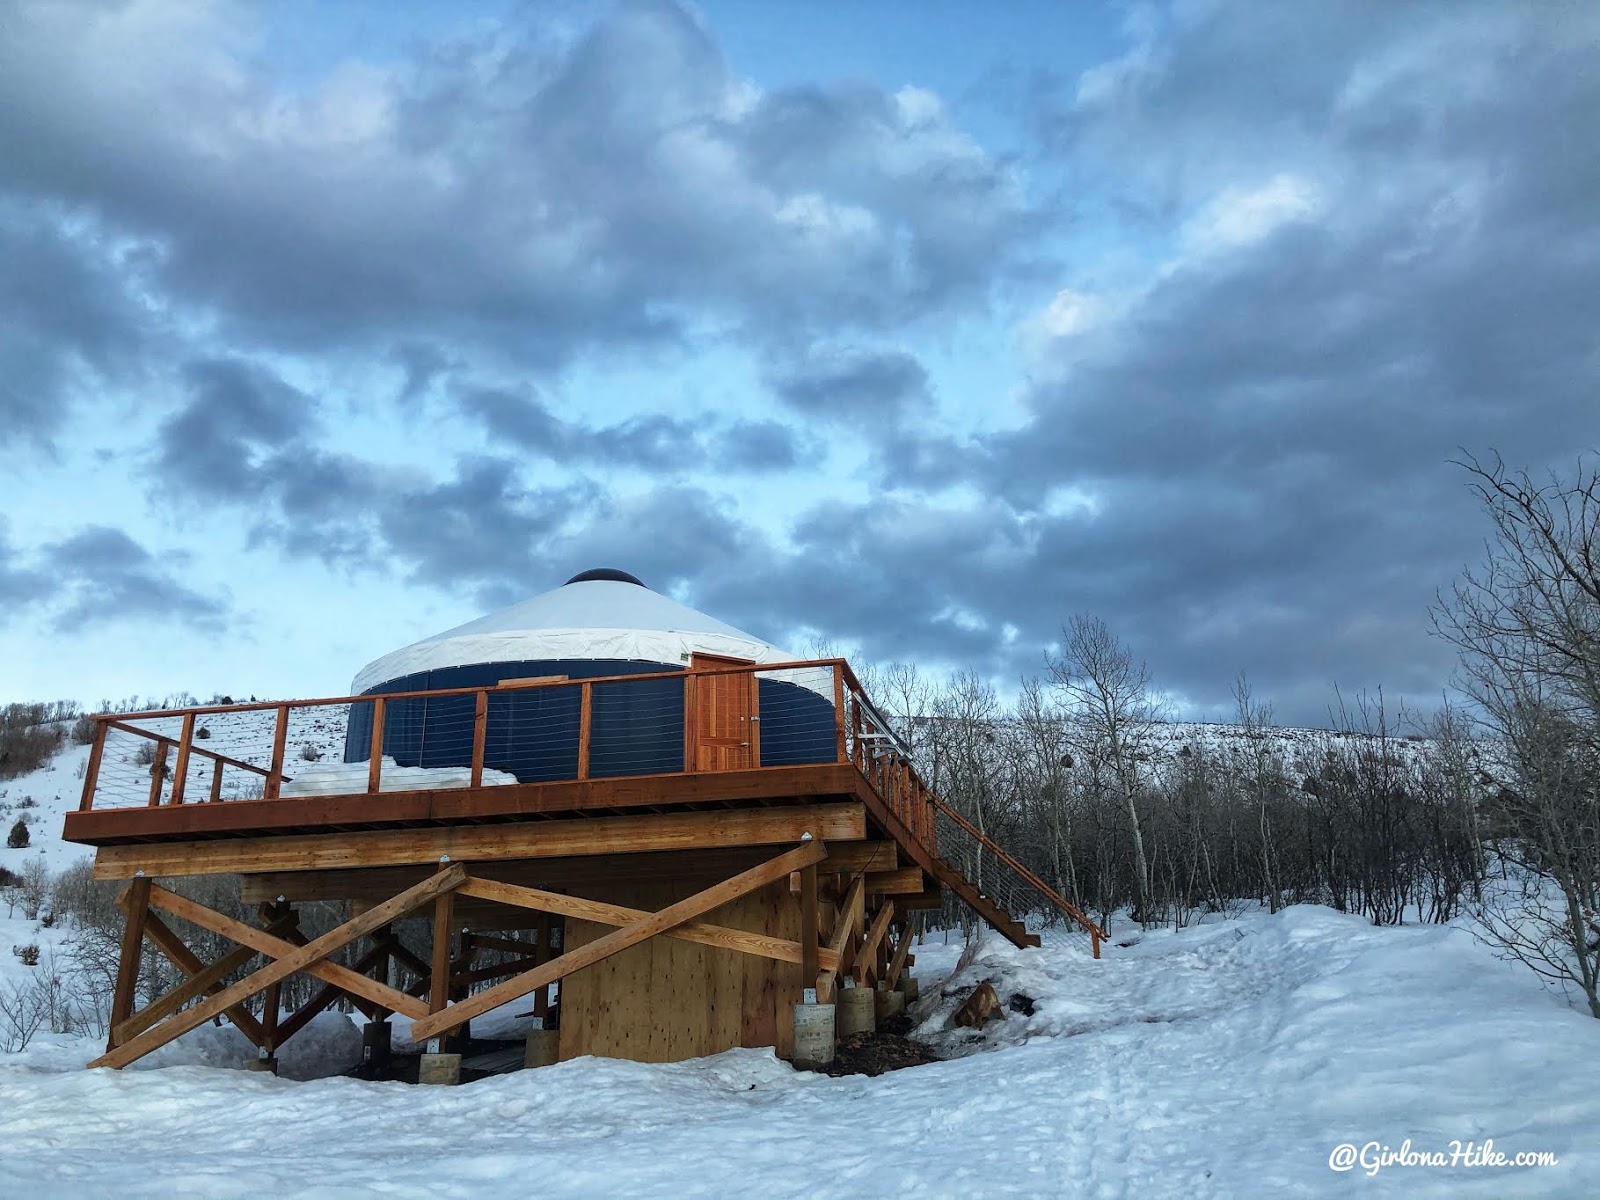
x=200, y=978
x=618, y=940
x=303, y=958
x=720, y=936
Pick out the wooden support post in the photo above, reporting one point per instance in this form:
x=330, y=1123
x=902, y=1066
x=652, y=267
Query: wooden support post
x=91, y=772
x=375, y=755
x=439, y=985
x=846, y=921
x=138, y=906
x=158, y=772
x=270, y=1002
x=480, y=726
x=898, y=962
x=541, y=955
x=855, y=729
x=585, y=727
x=620, y=939
x=271, y=999
x=383, y=941
x=216, y=783
x=180, y=773
x=690, y=718
x=838, y=712
x=280, y=737
x=309, y=957
x=866, y=963
x=808, y=920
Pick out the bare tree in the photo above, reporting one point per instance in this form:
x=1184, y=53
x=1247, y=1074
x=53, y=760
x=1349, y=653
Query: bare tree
x=1526, y=623
x=964, y=756
x=1108, y=694
x=1040, y=770
x=1264, y=781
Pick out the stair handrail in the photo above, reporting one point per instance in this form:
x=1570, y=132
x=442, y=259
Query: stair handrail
x=1096, y=934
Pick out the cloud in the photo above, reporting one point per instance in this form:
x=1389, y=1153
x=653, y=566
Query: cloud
x=500, y=193
x=1264, y=430
x=67, y=320
x=1358, y=240
x=19, y=585
x=851, y=383
x=653, y=442
x=762, y=446
x=219, y=443
x=482, y=529
x=101, y=574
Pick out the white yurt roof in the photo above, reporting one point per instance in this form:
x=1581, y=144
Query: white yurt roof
x=599, y=614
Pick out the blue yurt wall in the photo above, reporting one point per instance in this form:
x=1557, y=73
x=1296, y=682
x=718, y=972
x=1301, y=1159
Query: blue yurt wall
x=600, y=623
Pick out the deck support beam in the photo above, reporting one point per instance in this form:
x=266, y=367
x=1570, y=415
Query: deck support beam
x=136, y=905
x=632, y=934
x=866, y=965
x=724, y=938
x=846, y=923
x=632, y=834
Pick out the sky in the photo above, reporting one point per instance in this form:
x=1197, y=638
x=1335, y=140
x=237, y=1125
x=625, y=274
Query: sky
x=915, y=329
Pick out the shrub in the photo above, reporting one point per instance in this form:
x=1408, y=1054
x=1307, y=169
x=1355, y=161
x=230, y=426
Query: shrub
x=203, y=732
x=29, y=954
x=78, y=893
x=310, y=753
x=145, y=755
x=34, y=889
x=18, y=837
x=29, y=736
x=83, y=730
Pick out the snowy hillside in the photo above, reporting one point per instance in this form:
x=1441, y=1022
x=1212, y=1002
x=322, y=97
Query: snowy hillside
x=42, y=797
x=1225, y=1060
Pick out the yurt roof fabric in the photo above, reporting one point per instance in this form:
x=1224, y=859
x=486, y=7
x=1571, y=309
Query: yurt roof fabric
x=588, y=619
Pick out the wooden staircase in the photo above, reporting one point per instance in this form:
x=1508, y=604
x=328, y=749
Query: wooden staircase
x=1020, y=878
x=1003, y=922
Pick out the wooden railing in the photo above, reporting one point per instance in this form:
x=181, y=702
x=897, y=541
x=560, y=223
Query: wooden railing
x=172, y=760
x=177, y=767
x=1027, y=878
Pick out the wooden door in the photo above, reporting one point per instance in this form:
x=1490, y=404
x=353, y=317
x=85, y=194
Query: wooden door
x=724, y=722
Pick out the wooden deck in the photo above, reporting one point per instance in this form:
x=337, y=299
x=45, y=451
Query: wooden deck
x=812, y=870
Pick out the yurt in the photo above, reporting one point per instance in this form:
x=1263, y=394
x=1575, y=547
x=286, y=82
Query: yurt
x=601, y=623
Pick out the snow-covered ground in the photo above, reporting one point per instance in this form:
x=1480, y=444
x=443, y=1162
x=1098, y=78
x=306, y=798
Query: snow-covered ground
x=41, y=798
x=1228, y=1059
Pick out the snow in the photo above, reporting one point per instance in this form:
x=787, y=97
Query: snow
x=340, y=778
x=42, y=798
x=1227, y=1059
